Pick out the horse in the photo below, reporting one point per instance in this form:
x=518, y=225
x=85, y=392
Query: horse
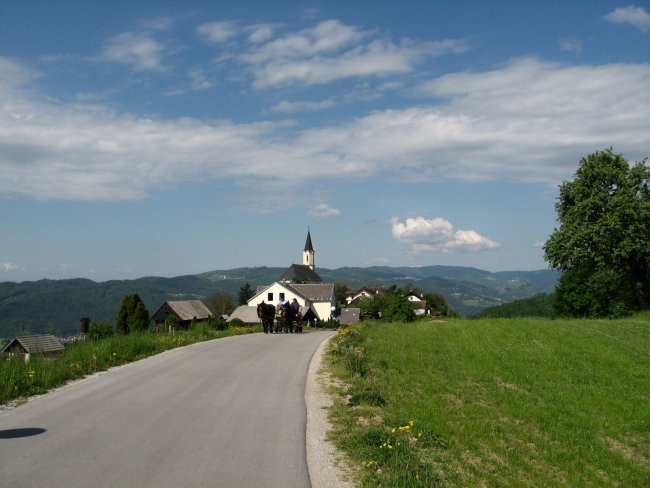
x=266, y=313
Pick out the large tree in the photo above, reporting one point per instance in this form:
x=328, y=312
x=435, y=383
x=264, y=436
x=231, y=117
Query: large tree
x=602, y=245
x=132, y=315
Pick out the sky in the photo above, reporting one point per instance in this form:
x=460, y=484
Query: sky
x=159, y=138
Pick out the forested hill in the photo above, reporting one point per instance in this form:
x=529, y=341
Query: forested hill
x=56, y=306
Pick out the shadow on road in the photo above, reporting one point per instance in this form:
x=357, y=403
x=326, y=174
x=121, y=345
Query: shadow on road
x=17, y=433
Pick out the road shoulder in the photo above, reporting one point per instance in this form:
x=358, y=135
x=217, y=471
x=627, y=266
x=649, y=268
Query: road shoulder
x=325, y=463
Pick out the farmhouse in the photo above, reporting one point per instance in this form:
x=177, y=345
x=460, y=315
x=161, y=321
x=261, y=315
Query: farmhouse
x=45, y=344
x=301, y=282
x=418, y=303
x=185, y=311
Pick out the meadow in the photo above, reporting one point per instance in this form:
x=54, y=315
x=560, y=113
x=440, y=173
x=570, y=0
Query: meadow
x=20, y=379
x=494, y=402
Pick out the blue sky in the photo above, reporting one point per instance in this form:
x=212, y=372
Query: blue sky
x=168, y=138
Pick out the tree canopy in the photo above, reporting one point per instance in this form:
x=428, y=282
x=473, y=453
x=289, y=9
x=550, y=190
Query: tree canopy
x=602, y=245
x=245, y=294
x=132, y=315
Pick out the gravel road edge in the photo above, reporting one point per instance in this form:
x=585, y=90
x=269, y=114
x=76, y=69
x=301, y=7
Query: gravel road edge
x=324, y=462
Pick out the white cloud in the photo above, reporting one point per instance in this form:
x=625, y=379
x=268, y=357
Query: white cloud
x=138, y=50
x=218, y=32
x=285, y=106
x=332, y=51
x=527, y=121
x=438, y=235
x=571, y=44
x=323, y=210
x=637, y=16
x=8, y=266
x=199, y=80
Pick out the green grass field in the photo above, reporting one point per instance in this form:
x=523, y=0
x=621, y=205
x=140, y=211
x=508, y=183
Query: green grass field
x=496, y=402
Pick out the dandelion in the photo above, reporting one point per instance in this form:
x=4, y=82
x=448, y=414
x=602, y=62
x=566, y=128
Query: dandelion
x=392, y=431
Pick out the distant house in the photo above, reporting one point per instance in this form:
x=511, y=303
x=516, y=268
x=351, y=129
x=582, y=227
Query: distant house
x=185, y=311
x=45, y=344
x=419, y=305
x=355, y=296
x=349, y=316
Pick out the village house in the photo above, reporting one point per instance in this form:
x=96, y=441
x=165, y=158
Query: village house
x=419, y=305
x=185, y=311
x=45, y=344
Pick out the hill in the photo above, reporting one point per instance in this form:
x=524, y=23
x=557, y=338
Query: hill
x=56, y=306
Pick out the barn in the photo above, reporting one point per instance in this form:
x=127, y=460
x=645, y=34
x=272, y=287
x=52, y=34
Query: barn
x=45, y=344
x=185, y=311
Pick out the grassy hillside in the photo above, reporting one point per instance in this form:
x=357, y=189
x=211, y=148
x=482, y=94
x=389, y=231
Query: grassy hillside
x=496, y=402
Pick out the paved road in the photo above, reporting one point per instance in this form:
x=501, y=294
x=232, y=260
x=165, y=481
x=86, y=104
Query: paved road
x=225, y=413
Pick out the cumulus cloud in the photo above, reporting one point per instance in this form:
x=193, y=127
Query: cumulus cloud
x=323, y=210
x=636, y=16
x=8, y=266
x=138, y=50
x=438, y=235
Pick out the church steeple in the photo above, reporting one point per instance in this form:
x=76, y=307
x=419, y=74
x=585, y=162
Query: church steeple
x=308, y=253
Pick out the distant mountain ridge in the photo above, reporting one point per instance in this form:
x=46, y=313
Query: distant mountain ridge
x=56, y=306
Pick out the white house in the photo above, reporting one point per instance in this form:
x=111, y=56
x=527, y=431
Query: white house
x=301, y=282
x=418, y=304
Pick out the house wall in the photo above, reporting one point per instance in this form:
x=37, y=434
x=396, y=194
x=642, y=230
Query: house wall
x=323, y=309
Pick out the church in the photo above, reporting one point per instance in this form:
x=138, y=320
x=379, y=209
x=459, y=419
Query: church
x=300, y=281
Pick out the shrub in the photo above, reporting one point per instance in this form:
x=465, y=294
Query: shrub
x=100, y=330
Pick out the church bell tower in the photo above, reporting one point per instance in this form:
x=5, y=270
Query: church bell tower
x=308, y=253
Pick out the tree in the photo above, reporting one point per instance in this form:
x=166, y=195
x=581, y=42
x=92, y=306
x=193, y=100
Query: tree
x=220, y=303
x=245, y=294
x=436, y=303
x=602, y=245
x=132, y=315
x=340, y=290
x=397, y=308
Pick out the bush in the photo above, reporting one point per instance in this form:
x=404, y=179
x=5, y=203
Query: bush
x=100, y=330
x=236, y=323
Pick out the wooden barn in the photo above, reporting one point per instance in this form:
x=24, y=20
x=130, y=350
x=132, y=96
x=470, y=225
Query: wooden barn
x=185, y=311
x=45, y=344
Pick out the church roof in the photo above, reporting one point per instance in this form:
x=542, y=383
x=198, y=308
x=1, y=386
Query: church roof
x=308, y=245
x=300, y=272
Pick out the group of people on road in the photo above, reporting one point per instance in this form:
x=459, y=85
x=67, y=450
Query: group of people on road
x=286, y=313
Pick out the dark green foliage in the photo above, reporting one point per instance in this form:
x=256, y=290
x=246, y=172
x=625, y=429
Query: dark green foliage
x=245, y=294
x=171, y=323
x=99, y=330
x=603, y=243
x=397, y=308
x=538, y=306
x=132, y=315
x=340, y=290
x=437, y=303
x=220, y=303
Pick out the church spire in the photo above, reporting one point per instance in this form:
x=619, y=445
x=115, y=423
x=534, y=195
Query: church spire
x=308, y=253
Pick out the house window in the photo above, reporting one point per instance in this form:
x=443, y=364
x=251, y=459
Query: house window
x=269, y=297
x=282, y=297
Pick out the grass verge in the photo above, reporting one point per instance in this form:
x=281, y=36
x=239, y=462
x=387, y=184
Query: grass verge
x=20, y=379
x=495, y=402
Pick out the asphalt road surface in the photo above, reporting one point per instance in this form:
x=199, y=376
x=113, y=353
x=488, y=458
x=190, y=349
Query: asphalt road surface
x=224, y=413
